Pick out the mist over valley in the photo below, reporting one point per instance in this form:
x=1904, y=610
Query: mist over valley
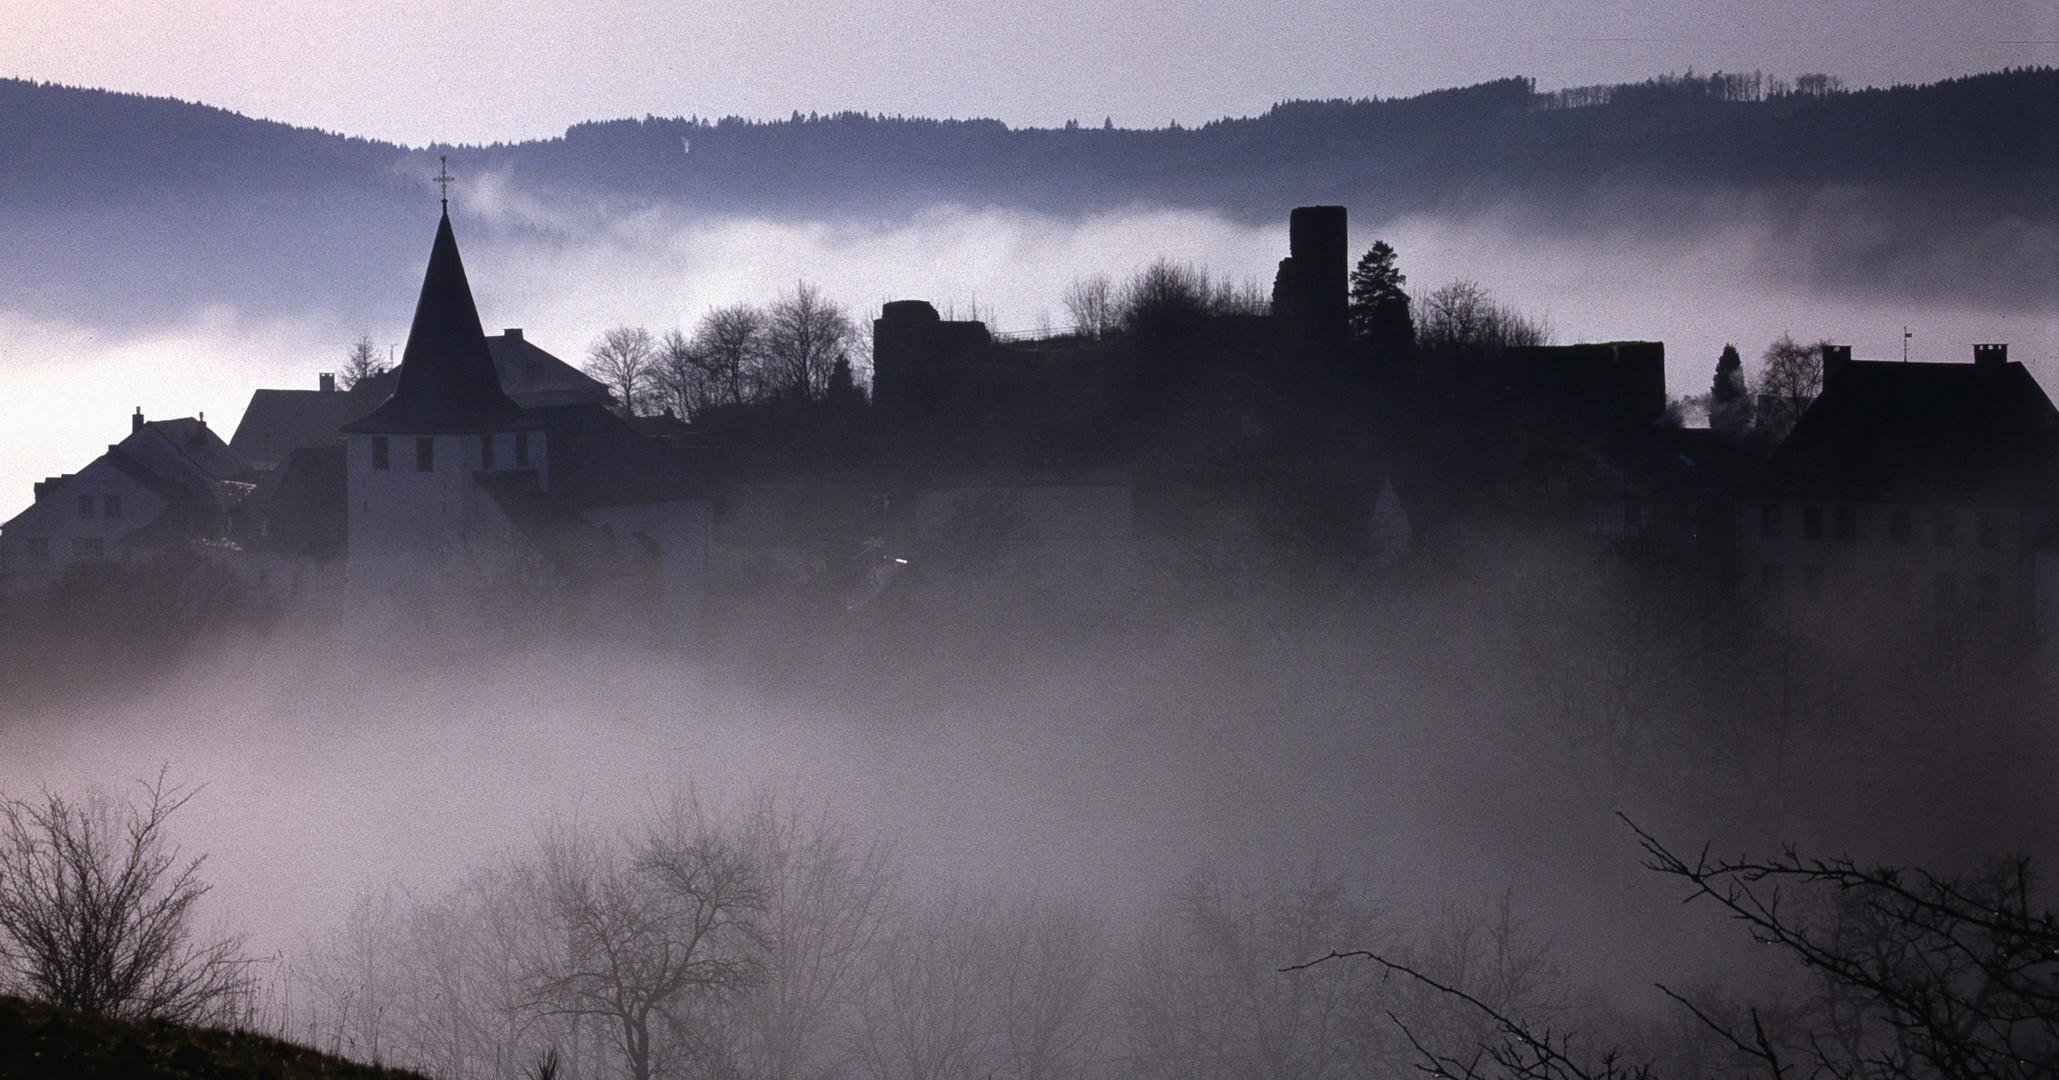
x=1021, y=684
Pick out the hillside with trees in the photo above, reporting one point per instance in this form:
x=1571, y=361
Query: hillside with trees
x=107, y=191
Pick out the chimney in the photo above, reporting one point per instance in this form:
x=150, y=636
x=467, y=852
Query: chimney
x=136, y=421
x=1835, y=357
x=512, y=333
x=1990, y=359
x=326, y=381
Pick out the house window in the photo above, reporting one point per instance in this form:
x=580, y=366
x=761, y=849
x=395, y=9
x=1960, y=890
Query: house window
x=1898, y=526
x=85, y=508
x=1769, y=521
x=1944, y=589
x=521, y=449
x=1812, y=523
x=1988, y=591
x=380, y=453
x=1812, y=583
x=486, y=451
x=1770, y=580
x=1845, y=524
x=37, y=548
x=425, y=454
x=87, y=547
x=1947, y=526
x=1990, y=529
x=111, y=506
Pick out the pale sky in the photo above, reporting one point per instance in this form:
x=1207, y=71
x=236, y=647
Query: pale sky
x=485, y=70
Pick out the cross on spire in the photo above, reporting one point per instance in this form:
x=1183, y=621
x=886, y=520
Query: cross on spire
x=443, y=178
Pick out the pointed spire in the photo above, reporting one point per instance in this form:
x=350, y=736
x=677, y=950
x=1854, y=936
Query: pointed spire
x=447, y=381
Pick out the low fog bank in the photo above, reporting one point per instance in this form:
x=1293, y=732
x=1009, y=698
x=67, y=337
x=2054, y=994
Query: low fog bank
x=180, y=333
x=1441, y=737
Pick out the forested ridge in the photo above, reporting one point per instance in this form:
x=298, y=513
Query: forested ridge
x=1997, y=134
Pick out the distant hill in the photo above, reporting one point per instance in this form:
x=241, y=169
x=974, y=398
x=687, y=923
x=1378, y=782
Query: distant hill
x=43, y=1042
x=116, y=195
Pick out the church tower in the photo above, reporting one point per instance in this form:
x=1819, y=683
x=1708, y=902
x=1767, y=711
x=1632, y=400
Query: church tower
x=413, y=464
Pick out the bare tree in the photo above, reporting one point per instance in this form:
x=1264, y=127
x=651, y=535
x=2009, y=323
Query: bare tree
x=1790, y=377
x=1049, y=966
x=361, y=363
x=806, y=333
x=655, y=932
x=1462, y=319
x=96, y=909
x=1209, y=999
x=925, y=1006
x=1091, y=303
x=731, y=344
x=1165, y=293
x=623, y=360
x=827, y=901
x=1919, y=976
x=721, y=363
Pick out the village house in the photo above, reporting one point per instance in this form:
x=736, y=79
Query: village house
x=1912, y=488
x=168, y=486
x=481, y=464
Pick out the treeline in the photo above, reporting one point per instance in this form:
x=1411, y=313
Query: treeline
x=1993, y=132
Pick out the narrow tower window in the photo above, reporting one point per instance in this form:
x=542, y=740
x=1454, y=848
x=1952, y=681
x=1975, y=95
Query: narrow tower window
x=521, y=449
x=379, y=452
x=425, y=454
x=486, y=451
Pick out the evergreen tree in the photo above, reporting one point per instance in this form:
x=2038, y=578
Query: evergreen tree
x=1380, y=316
x=1730, y=407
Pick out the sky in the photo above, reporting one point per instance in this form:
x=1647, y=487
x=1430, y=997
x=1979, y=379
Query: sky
x=493, y=70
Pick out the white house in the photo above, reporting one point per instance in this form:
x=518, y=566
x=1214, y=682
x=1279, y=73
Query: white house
x=167, y=486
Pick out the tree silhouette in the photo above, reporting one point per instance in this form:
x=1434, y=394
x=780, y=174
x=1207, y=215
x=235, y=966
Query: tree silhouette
x=1730, y=406
x=624, y=360
x=1379, y=313
x=96, y=909
x=806, y=334
x=1790, y=377
x=361, y=363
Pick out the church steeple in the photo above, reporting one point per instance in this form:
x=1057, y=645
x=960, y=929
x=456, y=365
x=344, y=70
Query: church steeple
x=447, y=383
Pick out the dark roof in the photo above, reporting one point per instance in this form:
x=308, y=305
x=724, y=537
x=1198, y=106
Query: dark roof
x=278, y=422
x=199, y=444
x=163, y=487
x=447, y=384
x=1901, y=432
x=534, y=378
x=597, y=459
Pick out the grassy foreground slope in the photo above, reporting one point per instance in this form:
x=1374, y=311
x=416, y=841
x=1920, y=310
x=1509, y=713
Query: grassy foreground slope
x=43, y=1042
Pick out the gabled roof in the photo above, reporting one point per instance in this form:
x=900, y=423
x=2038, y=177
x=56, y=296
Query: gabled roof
x=278, y=422
x=198, y=443
x=447, y=383
x=1902, y=432
x=533, y=377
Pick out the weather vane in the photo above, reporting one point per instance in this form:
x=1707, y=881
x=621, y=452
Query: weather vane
x=443, y=177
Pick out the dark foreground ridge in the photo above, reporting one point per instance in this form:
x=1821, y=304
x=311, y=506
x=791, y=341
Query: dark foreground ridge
x=44, y=1041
